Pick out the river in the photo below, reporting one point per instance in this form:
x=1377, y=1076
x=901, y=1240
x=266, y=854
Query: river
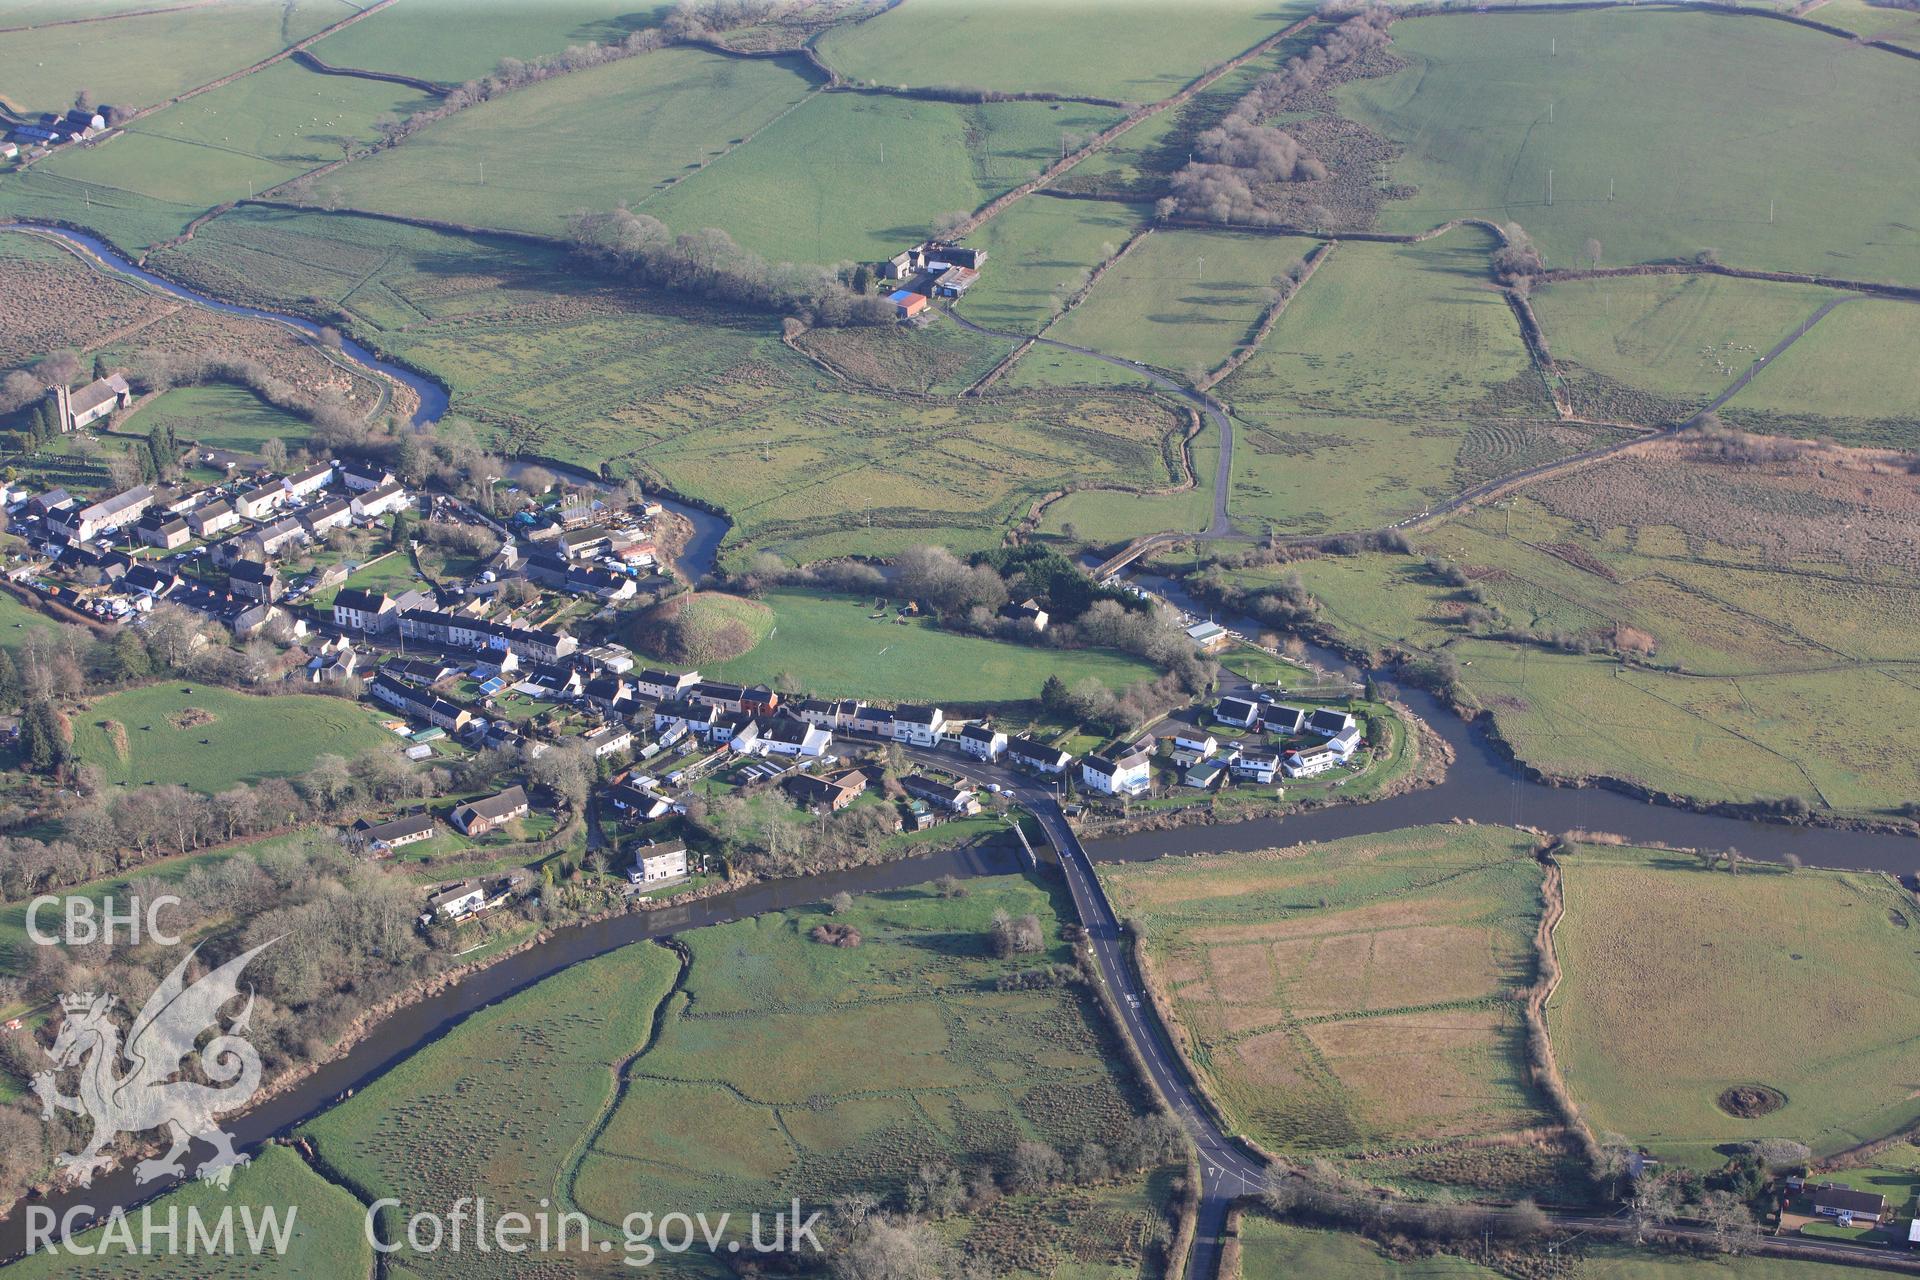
x=1482, y=785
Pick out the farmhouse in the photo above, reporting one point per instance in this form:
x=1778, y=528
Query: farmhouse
x=829, y=795
x=215, y=517
x=1128, y=773
x=1238, y=712
x=654, y=863
x=87, y=523
x=82, y=408
x=370, y=612
x=918, y=726
x=955, y=799
x=379, y=501
x=787, y=737
x=380, y=837
x=1037, y=756
x=983, y=742
x=478, y=817
x=251, y=580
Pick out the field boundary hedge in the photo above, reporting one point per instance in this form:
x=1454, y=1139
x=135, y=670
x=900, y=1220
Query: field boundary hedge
x=1264, y=328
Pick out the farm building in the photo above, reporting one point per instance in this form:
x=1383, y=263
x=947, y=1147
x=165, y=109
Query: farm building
x=907, y=304
x=955, y=281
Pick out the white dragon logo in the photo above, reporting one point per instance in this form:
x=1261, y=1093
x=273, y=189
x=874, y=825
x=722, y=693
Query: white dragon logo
x=144, y=1098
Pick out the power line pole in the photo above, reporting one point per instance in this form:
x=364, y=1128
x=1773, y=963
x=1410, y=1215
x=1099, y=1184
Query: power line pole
x=1549, y=186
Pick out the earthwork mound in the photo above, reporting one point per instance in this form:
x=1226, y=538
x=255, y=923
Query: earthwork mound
x=702, y=628
x=1749, y=1101
x=190, y=718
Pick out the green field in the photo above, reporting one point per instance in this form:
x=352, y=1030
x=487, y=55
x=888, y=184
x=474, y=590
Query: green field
x=1663, y=346
x=1104, y=516
x=829, y=646
x=707, y=402
x=18, y=621
x=745, y=1095
x=138, y=60
x=221, y=416
x=240, y=139
x=248, y=738
x=1146, y=52
x=1851, y=379
x=326, y=1238
x=1356, y=994
x=1766, y=628
x=439, y=40
x=1395, y=378
x=1780, y=167
x=1182, y=300
x=1041, y=251
x=613, y=134
x=1682, y=982
x=861, y=177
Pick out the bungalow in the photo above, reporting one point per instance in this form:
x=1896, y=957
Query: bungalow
x=826, y=795
x=875, y=720
x=1258, y=764
x=608, y=739
x=1190, y=745
x=359, y=609
x=478, y=817
x=310, y=480
x=1238, y=712
x=158, y=529
x=1831, y=1200
x=1129, y=773
x=326, y=516
x=252, y=580
x=457, y=902
x=255, y=504
x=215, y=517
x=82, y=408
x=961, y=799
x=1283, y=720
x=379, y=837
x=918, y=726
x=1028, y=612
x=1037, y=756
x=84, y=524
x=788, y=737
x=655, y=863
x=983, y=742
x=377, y=502
x=693, y=717
x=360, y=477
x=662, y=686
x=1209, y=637
x=1308, y=761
